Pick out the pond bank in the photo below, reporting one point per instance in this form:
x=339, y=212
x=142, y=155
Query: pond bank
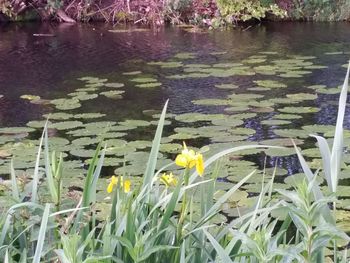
x=212, y=13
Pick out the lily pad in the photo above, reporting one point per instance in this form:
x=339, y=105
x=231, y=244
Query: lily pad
x=66, y=125
x=194, y=117
x=166, y=64
x=185, y=55
x=283, y=116
x=37, y=124
x=226, y=86
x=144, y=80
x=113, y=94
x=15, y=130
x=302, y=96
x=114, y=85
x=89, y=115
x=30, y=97
x=275, y=122
x=132, y=73
x=58, y=116
x=291, y=133
x=134, y=123
x=149, y=85
x=299, y=109
x=66, y=104
x=140, y=144
x=270, y=84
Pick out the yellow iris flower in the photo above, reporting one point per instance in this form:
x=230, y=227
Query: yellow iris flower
x=189, y=159
x=123, y=184
x=168, y=179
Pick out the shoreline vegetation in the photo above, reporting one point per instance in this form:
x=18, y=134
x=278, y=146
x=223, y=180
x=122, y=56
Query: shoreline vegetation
x=208, y=13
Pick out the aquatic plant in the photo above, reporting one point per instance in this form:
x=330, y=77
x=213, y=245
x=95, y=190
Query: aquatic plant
x=175, y=215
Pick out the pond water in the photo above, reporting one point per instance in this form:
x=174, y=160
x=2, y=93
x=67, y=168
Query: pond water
x=265, y=84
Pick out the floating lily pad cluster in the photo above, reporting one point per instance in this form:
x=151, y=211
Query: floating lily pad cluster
x=265, y=110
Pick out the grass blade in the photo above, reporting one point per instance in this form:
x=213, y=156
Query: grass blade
x=152, y=160
x=222, y=200
x=219, y=249
x=326, y=159
x=42, y=233
x=36, y=178
x=48, y=169
x=14, y=186
x=337, y=149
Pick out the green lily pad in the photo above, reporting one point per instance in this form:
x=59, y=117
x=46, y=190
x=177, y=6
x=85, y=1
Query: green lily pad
x=227, y=65
x=66, y=104
x=87, y=115
x=114, y=85
x=132, y=73
x=282, y=116
x=302, y=96
x=30, y=97
x=275, y=122
x=83, y=141
x=140, y=144
x=299, y=109
x=291, y=133
x=272, y=152
x=281, y=142
x=237, y=109
x=58, y=116
x=149, y=85
x=270, y=84
x=37, y=124
x=86, y=96
x=170, y=147
x=66, y=125
x=259, y=89
x=15, y=130
x=317, y=128
x=226, y=86
x=84, y=153
x=328, y=91
x=212, y=102
x=244, y=97
x=311, y=152
x=144, y=80
x=113, y=94
x=229, y=121
x=134, y=123
x=194, y=117
x=185, y=55
x=166, y=64
x=254, y=60
x=197, y=66
x=295, y=179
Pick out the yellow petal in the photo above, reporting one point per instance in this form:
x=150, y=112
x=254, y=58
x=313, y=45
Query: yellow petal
x=114, y=180
x=165, y=179
x=200, y=164
x=110, y=187
x=181, y=160
x=174, y=182
x=127, y=185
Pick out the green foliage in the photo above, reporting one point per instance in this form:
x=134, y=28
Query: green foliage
x=236, y=10
x=320, y=10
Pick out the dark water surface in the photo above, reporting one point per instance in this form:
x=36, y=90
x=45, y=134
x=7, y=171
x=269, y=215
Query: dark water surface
x=50, y=66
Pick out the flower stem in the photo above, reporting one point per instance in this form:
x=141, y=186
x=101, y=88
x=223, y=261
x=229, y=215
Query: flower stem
x=183, y=211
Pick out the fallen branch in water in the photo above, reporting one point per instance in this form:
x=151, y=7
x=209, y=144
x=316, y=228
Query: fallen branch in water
x=64, y=17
